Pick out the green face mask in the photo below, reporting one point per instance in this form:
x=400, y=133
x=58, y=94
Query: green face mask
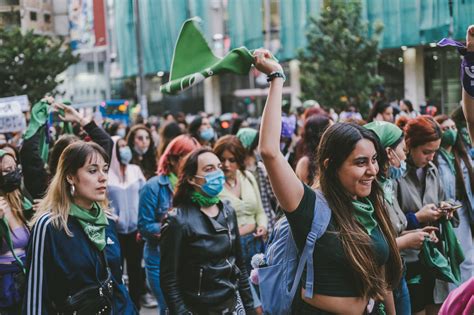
x=449, y=138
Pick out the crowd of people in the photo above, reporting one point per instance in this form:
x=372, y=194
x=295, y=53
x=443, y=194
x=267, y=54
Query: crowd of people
x=185, y=211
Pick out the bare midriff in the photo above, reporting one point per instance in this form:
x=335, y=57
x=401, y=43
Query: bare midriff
x=337, y=304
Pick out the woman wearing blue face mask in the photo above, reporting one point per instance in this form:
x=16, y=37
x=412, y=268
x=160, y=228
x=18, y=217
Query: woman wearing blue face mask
x=201, y=129
x=457, y=175
x=202, y=267
x=123, y=186
x=394, y=167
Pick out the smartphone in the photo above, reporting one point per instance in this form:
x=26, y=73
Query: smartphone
x=449, y=209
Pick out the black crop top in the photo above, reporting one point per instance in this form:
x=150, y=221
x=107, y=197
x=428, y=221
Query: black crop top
x=333, y=275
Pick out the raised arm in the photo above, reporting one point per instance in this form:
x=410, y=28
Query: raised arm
x=467, y=100
x=97, y=134
x=287, y=187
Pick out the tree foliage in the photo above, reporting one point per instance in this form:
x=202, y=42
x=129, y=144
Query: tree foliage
x=339, y=63
x=30, y=63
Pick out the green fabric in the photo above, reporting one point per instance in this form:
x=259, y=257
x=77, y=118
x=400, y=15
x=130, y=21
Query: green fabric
x=388, y=133
x=247, y=136
x=203, y=201
x=444, y=264
x=242, y=14
x=449, y=157
x=39, y=118
x=365, y=214
x=5, y=233
x=27, y=209
x=433, y=259
x=2, y=153
x=67, y=126
x=93, y=222
x=453, y=249
x=173, y=179
x=193, y=60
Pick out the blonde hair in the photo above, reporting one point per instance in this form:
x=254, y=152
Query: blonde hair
x=58, y=198
x=14, y=198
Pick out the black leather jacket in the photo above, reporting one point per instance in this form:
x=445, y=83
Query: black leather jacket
x=201, y=260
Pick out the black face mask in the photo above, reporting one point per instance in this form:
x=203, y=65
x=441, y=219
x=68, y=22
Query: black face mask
x=11, y=181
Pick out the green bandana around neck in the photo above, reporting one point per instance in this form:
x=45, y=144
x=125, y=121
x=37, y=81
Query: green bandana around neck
x=173, y=179
x=203, y=201
x=449, y=157
x=365, y=214
x=93, y=222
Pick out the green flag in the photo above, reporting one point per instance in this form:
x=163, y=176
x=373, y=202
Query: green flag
x=193, y=60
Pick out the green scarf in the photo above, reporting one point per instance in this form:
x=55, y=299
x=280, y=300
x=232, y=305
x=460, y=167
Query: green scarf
x=93, y=223
x=203, y=201
x=449, y=157
x=365, y=214
x=173, y=179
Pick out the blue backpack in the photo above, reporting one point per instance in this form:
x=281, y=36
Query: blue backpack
x=279, y=280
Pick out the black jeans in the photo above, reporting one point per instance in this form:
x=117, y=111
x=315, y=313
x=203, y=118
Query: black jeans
x=132, y=252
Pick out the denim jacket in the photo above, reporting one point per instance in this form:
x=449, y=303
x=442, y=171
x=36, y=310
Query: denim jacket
x=155, y=199
x=449, y=183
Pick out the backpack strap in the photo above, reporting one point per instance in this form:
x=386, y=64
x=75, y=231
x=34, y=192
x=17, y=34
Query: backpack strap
x=322, y=216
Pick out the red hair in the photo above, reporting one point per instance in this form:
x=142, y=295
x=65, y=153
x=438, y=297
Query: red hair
x=314, y=111
x=402, y=122
x=177, y=148
x=421, y=130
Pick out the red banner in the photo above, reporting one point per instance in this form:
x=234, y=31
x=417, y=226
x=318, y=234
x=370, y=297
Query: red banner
x=99, y=23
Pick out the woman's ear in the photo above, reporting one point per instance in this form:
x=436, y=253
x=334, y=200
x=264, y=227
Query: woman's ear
x=70, y=180
x=326, y=163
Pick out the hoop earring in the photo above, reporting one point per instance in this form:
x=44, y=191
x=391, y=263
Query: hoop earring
x=73, y=190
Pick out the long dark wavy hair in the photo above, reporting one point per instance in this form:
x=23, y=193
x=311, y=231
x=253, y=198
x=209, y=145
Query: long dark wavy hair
x=148, y=163
x=183, y=190
x=314, y=128
x=337, y=143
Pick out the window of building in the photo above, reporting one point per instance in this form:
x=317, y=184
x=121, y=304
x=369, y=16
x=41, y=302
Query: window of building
x=47, y=18
x=90, y=67
x=33, y=16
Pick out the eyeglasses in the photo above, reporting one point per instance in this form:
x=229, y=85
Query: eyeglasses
x=143, y=138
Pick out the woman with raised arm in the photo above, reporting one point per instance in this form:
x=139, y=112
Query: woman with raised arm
x=356, y=259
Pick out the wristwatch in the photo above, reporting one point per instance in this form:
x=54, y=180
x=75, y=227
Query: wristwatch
x=276, y=74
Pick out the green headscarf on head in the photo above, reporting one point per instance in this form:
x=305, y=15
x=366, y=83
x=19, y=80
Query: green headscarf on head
x=388, y=133
x=247, y=136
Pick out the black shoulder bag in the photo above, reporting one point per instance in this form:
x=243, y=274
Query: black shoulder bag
x=92, y=299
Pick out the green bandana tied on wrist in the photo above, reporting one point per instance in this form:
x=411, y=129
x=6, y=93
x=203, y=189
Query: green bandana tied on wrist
x=203, y=201
x=365, y=214
x=173, y=179
x=449, y=157
x=93, y=222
